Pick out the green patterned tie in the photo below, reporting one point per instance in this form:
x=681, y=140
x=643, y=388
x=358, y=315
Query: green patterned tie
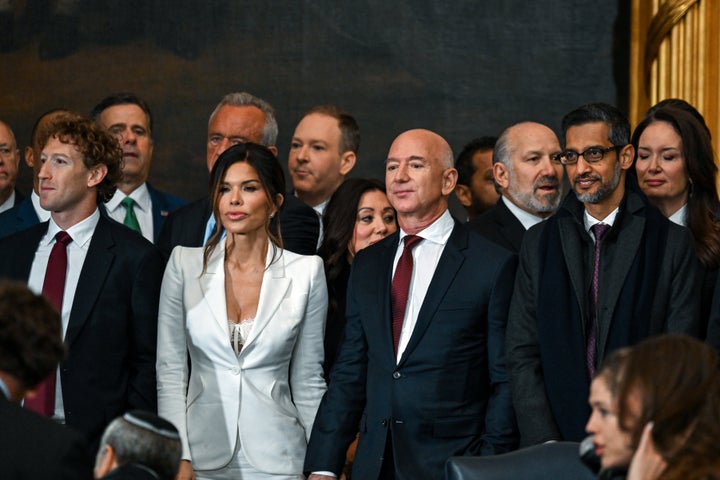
x=131, y=220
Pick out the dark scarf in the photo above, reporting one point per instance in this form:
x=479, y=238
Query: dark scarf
x=560, y=324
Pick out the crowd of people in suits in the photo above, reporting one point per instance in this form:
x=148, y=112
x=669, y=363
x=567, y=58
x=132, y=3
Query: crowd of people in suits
x=340, y=326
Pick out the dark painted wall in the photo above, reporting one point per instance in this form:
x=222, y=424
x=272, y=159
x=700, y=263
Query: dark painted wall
x=463, y=69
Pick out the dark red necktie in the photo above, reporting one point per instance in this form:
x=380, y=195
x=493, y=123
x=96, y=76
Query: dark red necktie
x=401, y=286
x=599, y=230
x=53, y=289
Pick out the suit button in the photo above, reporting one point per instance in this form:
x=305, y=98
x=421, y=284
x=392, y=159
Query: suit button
x=384, y=423
x=235, y=371
x=397, y=375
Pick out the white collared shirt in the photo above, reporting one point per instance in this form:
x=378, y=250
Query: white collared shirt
x=81, y=234
x=8, y=203
x=526, y=218
x=143, y=209
x=590, y=221
x=435, y=237
x=42, y=214
x=679, y=217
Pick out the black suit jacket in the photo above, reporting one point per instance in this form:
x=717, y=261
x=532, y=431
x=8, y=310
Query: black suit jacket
x=33, y=447
x=299, y=224
x=499, y=225
x=20, y=217
x=163, y=204
x=112, y=332
x=449, y=394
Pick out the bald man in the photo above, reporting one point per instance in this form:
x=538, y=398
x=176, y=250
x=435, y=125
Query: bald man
x=529, y=176
x=422, y=374
x=9, y=161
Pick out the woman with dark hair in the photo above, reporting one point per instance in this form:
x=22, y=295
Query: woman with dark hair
x=240, y=333
x=664, y=397
x=357, y=216
x=676, y=169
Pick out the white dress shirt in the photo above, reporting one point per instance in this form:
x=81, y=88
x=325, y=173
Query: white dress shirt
x=435, y=237
x=526, y=218
x=8, y=203
x=42, y=214
x=143, y=209
x=81, y=234
x=590, y=221
x=679, y=217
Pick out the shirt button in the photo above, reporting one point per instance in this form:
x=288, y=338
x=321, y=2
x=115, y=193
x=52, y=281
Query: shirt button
x=397, y=375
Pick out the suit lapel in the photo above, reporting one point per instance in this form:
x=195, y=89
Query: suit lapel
x=573, y=253
x=212, y=284
x=450, y=262
x=99, y=259
x=272, y=293
x=382, y=283
x=509, y=226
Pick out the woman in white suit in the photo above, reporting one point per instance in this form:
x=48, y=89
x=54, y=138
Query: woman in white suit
x=251, y=317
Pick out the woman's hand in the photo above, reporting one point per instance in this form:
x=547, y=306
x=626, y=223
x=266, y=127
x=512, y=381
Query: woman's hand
x=646, y=464
x=186, y=471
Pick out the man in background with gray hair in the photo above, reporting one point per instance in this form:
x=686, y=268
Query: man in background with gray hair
x=240, y=117
x=139, y=446
x=529, y=176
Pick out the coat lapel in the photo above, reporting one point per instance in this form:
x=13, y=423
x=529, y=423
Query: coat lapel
x=212, y=284
x=272, y=293
x=450, y=262
x=573, y=253
x=98, y=261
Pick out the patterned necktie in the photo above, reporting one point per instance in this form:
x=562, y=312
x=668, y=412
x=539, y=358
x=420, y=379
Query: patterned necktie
x=53, y=288
x=401, y=286
x=131, y=220
x=599, y=230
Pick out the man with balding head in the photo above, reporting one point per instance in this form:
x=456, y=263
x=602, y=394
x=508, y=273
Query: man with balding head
x=529, y=175
x=9, y=161
x=240, y=117
x=421, y=369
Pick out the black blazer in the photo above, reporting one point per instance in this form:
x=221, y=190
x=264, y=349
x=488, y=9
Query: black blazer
x=449, y=394
x=299, y=224
x=20, y=217
x=33, y=447
x=499, y=225
x=112, y=332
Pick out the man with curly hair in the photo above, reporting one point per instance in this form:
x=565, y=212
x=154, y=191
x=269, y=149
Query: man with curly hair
x=103, y=278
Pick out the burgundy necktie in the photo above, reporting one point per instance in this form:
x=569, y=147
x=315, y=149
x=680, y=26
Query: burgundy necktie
x=599, y=230
x=400, y=287
x=53, y=288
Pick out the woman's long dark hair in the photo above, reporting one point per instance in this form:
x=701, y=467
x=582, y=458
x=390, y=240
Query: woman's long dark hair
x=339, y=222
x=703, y=203
x=271, y=178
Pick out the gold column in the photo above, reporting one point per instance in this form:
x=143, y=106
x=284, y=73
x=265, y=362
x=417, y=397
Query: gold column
x=675, y=53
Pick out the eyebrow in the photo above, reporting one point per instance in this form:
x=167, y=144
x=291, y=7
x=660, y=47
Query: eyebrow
x=410, y=159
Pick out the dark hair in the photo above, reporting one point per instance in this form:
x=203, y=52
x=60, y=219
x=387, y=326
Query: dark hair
x=703, y=202
x=600, y=112
x=682, y=105
x=271, y=178
x=339, y=224
x=464, y=163
x=349, y=129
x=93, y=142
x=145, y=439
x=676, y=382
x=30, y=335
x=122, y=99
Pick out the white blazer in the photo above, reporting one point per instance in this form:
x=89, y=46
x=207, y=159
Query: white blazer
x=269, y=394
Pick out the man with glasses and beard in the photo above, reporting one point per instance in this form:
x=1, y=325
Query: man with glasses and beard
x=604, y=272
x=529, y=176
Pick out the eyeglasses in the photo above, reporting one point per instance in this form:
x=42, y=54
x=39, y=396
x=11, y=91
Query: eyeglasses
x=591, y=155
